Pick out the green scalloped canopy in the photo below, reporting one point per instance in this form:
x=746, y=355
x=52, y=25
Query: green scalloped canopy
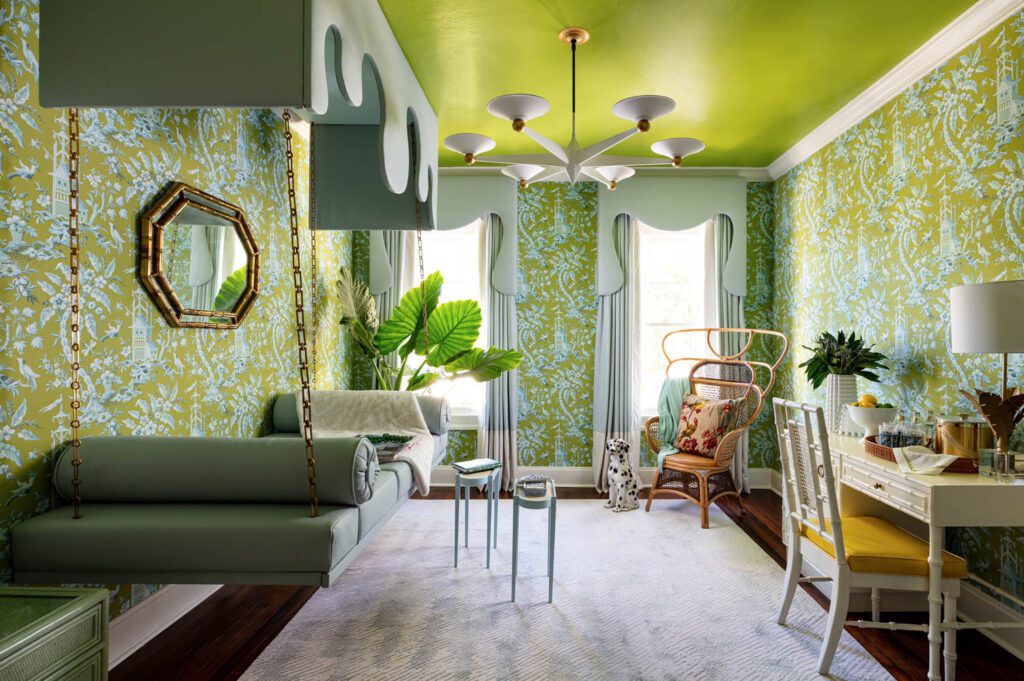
x=750, y=77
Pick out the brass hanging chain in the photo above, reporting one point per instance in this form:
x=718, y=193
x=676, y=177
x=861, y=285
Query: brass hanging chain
x=74, y=300
x=315, y=294
x=300, y=318
x=419, y=248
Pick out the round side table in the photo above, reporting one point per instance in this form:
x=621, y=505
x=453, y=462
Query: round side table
x=464, y=483
x=549, y=501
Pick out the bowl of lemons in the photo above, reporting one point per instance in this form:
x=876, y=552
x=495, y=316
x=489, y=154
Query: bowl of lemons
x=869, y=413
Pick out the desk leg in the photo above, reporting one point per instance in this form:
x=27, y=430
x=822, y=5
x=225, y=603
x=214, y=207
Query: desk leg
x=467, y=492
x=949, y=646
x=935, y=541
x=457, y=487
x=496, y=483
x=515, y=546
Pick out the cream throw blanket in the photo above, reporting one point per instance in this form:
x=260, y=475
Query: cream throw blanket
x=354, y=413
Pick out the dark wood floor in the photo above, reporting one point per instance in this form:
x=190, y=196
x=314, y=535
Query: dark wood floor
x=221, y=637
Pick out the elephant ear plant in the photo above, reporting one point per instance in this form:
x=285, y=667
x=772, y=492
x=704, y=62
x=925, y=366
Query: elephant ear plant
x=842, y=355
x=447, y=349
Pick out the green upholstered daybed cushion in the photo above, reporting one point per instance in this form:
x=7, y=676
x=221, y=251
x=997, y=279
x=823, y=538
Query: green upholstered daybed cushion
x=208, y=511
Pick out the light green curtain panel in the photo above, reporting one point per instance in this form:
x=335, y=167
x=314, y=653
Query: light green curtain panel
x=729, y=313
x=394, y=246
x=617, y=361
x=501, y=400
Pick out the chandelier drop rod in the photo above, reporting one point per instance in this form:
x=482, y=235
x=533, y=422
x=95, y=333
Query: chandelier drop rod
x=574, y=88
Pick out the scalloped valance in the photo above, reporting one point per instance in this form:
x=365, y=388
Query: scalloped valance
x=336, y=63
x=673, y=203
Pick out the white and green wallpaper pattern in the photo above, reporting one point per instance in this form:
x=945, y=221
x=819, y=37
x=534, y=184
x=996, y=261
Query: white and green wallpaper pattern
x=181, y=381
x=872, y=231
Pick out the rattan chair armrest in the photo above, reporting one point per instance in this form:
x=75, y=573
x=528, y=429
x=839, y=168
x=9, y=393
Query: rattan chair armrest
x=651, y=434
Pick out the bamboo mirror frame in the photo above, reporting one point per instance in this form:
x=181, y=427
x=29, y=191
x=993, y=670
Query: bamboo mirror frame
x=203, y=212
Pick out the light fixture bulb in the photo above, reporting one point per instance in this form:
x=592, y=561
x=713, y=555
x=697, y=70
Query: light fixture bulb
x=677, y=148
x=612, y=185
x=522, y=172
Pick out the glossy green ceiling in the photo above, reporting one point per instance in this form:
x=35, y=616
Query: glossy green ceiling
x=750, y=77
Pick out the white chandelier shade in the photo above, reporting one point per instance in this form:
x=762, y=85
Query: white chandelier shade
x=572, y=161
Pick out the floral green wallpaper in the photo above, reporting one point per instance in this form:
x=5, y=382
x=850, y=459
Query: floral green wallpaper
x=557, y=314
x=173, y=381
x=872, y=231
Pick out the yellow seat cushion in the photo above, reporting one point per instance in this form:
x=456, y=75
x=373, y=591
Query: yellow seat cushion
x=876, y=545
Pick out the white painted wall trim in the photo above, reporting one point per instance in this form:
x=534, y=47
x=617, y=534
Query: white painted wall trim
x=974, y=605
x=964, y=30
x=748, y=173
x=143, y=622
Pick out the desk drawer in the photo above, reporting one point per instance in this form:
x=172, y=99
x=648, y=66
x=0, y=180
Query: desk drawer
x=893, y=491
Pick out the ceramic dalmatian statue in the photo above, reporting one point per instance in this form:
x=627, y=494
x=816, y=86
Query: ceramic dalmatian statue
x=624, y=488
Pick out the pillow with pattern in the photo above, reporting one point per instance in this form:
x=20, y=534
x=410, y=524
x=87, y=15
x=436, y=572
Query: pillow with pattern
x=703, y=423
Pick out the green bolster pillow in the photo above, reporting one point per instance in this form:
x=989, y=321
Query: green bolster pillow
x=121, y=469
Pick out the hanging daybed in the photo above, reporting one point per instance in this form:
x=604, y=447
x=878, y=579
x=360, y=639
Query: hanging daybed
x=234, y=510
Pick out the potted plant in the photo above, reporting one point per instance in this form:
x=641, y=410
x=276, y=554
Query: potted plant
x=837, y=361
x=446, y=351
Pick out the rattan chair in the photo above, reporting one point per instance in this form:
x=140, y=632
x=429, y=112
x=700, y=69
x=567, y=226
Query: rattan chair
x=703, y=479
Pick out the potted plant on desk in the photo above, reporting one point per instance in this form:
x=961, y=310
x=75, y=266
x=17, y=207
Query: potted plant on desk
x=836, y=362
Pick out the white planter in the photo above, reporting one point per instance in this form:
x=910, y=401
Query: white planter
x=840, y=390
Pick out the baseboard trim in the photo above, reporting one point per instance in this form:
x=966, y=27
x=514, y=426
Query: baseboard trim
x=974, y=605
x=145, y=621
x=579, y=476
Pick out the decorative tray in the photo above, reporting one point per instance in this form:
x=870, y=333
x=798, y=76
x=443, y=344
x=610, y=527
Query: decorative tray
x=963, y=464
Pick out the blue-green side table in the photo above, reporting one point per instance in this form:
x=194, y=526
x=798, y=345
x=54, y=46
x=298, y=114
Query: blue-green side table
x=465, y=482
x=548, y=501
x=52, y=633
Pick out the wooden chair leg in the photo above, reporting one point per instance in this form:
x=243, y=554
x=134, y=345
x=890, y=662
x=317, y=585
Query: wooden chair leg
x=703, y=484
x=650, y=492
x=836, y=620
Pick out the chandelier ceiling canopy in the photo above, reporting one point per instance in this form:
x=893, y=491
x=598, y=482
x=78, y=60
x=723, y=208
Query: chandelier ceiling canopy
x=572, y=162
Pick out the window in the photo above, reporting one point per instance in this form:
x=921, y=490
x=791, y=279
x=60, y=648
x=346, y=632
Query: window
x=672, y=290
x=458, y=255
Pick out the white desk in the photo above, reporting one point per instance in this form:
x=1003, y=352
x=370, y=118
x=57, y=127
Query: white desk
x=871, y=486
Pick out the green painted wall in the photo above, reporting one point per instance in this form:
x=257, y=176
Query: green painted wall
x=871, y=232
x=208, y=381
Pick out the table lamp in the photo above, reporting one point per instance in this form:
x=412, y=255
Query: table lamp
x=987, y=318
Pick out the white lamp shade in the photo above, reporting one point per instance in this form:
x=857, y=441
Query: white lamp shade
x=678, y=147
x=468, y=143
x=615, y=173
x=988, y=317
x=522, y=171
x=644, y=107
x=524, y=107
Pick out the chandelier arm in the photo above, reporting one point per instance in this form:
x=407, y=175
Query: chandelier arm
x=615, y=160
x=588, y=153
x=512, y=159
x=553, y=147
x=594, y=175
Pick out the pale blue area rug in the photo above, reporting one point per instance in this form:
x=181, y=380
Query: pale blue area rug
x=637, y=596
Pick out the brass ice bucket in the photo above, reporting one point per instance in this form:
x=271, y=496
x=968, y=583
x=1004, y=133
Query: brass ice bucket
x=962, y=436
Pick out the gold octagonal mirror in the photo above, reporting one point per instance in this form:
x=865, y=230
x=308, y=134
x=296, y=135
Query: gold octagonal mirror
x=198, y=259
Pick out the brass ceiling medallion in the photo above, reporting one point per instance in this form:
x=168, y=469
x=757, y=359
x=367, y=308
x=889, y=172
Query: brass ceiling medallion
x=568, y=35
x=198, y=259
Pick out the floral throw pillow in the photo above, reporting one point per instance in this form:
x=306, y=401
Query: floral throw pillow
x=703, y=423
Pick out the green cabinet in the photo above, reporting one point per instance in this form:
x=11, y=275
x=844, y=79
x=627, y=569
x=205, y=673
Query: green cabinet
x=53, y=634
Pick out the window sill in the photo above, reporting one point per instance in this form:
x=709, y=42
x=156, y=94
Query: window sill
x=465, y=420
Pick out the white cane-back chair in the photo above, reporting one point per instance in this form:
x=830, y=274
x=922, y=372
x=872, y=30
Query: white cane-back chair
x=851, y=552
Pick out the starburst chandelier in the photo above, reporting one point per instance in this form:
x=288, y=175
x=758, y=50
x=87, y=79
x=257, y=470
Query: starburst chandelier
x=572, y=162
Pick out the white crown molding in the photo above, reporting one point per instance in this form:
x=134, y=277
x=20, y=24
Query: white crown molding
x=964, y=30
